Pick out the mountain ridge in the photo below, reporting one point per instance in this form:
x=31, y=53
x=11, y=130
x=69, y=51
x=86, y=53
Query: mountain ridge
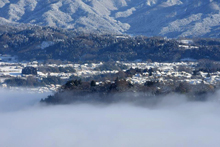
x=170, y=18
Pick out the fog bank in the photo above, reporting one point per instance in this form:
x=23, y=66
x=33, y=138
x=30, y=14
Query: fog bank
x=172, y=122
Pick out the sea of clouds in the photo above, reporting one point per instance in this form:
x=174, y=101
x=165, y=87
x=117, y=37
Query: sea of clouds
x=172, y=122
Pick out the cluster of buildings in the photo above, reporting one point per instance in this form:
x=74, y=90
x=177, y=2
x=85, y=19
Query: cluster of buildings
x=168, y=72
x=163, y=72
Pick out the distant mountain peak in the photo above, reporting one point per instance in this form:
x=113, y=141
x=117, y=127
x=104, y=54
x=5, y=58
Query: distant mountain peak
x=171, y=18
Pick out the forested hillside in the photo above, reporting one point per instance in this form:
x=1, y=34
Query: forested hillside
x=43, y=43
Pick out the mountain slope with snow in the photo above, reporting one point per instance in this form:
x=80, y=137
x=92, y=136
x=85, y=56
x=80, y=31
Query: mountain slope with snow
x=172, y=18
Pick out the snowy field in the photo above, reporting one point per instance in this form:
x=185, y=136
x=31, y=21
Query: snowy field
x=172, y=122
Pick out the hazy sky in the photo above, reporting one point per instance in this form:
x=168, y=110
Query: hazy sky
x=174, y=122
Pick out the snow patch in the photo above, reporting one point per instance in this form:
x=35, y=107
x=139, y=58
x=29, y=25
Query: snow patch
x=125, y=13
x=46, y=44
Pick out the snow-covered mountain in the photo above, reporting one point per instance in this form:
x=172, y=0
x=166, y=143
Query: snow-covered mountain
x=171, y=18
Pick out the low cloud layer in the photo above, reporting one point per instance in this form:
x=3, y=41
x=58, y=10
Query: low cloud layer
x=172, y=122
